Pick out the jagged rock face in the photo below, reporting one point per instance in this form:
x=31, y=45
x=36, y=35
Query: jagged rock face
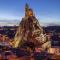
x=29, y=32
x=31, y=29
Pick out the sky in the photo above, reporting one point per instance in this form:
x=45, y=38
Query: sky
x=46, y=11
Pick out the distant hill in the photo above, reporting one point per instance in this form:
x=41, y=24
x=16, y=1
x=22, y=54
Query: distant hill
x=52, y=28
x=47, y=29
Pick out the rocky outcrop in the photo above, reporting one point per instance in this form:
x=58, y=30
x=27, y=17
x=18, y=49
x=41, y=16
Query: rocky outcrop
x=29, y=32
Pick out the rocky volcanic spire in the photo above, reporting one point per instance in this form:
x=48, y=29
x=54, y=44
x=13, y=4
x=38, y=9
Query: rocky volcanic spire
x=29, y=32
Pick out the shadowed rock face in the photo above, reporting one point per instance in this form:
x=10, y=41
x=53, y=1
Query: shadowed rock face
x=29, y=32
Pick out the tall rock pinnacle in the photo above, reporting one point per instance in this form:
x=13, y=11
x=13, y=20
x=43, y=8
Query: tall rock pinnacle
x=29, y=32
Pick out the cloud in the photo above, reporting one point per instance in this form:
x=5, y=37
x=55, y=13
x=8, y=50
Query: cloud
x=9, y=22
x=13, y=22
